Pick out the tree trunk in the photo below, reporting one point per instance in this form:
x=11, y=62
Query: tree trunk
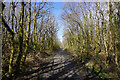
x=19, y=56
x=27, y=34
x=12, y=42
x=34, y=24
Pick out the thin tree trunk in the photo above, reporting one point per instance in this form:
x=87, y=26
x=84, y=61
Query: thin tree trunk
x=27, y=34
x=12, y=42
x=20, y=37
x=34, y=24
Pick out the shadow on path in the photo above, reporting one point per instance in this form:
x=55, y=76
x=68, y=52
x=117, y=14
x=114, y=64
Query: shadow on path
x=61, y=67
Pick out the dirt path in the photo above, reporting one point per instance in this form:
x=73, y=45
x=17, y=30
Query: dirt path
x=61, y=67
